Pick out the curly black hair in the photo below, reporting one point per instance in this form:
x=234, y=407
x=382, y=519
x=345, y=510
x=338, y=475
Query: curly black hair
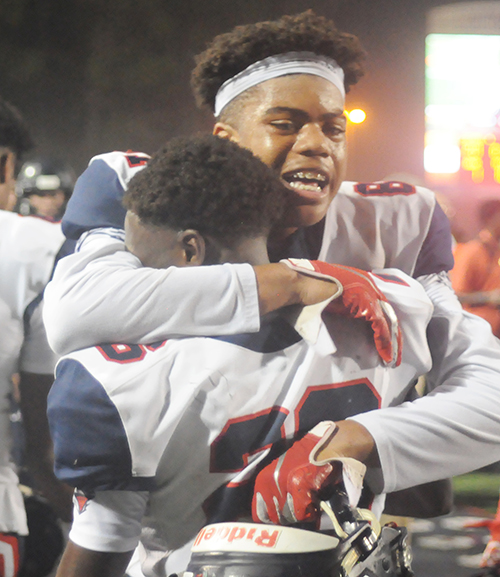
x=230, y=53
x=14, y=133
x=208, y=184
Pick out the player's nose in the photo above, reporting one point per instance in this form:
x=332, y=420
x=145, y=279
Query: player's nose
x=312, y=141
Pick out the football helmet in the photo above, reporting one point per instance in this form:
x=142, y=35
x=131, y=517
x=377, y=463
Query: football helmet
x=43, y=177
x=356, y=547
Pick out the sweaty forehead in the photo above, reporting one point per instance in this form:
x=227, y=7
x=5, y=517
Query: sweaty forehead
x=300, y=92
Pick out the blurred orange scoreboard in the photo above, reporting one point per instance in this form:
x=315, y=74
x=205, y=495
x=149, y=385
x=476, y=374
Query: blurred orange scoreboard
x=462, y=110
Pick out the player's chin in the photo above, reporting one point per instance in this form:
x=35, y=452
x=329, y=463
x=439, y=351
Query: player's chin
x=304, y=215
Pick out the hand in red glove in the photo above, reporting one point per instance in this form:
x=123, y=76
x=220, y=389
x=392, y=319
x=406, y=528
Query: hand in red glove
x=290, y=488
x=286, y=490
x=359, y=297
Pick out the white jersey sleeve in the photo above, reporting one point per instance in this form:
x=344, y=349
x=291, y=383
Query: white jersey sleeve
x=460, y=417
x=110, y=522
x=109, y=296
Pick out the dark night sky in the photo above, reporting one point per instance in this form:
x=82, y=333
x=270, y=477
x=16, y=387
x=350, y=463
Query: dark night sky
x=95, y=75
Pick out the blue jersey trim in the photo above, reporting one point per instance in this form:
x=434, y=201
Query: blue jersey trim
x=91, y=448
x=68, y=247
x=436, y=253
x=96, y=201
x=274, y=335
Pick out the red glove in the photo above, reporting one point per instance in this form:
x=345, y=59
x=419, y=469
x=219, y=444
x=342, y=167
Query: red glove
x=491, y=555
x=286, y=491
x=359, y=298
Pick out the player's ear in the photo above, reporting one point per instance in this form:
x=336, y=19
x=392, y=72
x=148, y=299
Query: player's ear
x=7, y=173
x=7, y=165
x=224, y=130
x=193, y=247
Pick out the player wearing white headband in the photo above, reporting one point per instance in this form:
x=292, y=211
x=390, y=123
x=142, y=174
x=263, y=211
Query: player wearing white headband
x=275, y=67
x=295, y=123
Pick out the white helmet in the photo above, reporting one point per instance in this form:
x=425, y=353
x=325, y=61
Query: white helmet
x=256, y=550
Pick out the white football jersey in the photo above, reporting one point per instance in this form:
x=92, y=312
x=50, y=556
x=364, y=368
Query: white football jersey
x=189, y=420
x=28, y=247
x=367, y=225
x=454, y=429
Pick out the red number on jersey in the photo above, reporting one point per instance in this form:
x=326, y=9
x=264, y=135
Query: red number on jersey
x=9, y=555
x=383, y=188
x=245, y=436
x=134, y=160
x=121, y=353
x=248, y=435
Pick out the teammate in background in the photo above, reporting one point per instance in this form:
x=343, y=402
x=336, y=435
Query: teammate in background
x=490, y=561
x=476, y=274
x=278, y=89
x=476, y=279
x=28, y=248
x=169, y=435
x=44, y=187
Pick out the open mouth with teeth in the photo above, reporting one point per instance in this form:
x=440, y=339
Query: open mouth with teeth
x=306, y=181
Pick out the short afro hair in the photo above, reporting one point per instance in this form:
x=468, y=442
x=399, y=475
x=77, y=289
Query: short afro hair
x=208, y=184
x=14, y=133
x=232, y=52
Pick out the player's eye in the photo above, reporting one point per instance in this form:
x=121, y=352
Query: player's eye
x=334, y=130
x=284, y=125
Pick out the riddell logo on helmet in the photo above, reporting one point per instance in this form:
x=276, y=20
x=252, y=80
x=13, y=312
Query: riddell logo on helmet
x=257, y=535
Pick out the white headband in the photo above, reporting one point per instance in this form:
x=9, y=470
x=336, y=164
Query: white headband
x=279, y=65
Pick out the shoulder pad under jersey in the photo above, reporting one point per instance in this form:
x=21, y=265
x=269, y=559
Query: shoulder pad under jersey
x=97, y=198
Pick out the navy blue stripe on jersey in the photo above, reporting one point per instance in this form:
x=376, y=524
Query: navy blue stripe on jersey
x=68, y=247
x=275, y=335
x=91, y=449
x=29, y=311
x=96, y=201
x=436, y=253
x=391, y=278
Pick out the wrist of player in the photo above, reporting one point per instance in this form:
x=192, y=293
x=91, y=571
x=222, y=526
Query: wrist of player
x=351, y=440
x=280, y=285
x=277, y=286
